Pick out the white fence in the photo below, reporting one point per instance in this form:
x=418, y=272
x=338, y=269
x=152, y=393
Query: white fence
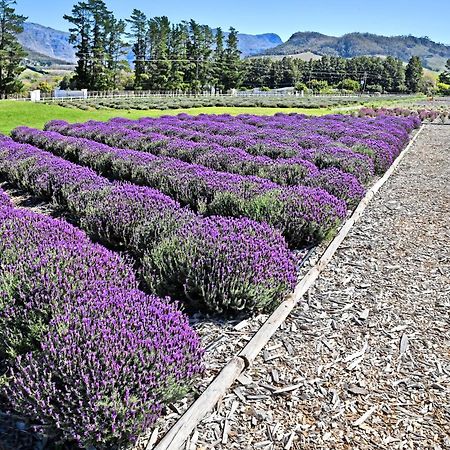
x=84, y=94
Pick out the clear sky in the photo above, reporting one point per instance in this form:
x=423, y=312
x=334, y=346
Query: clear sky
x=334, y=17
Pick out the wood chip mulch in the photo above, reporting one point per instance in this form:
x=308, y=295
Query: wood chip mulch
x=364, y=362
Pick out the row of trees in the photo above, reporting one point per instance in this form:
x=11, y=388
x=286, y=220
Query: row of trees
x=184, y=56
x=326, y=71
x=360, y=73
x=188, y=56
x=11, y=52
x=100, y=48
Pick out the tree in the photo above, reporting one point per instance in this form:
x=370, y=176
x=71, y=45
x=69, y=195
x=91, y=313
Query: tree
x=178, y=55
x=301, y=87
x=159, y=65
x=45, y=86
x=218, y=60
x=207, y=40
x=138, y=25
x=413, y=74
x=444, y=77
x=114, y=49
x=80, y=35
x=349, y=85
x=393, y=79
x=97, y=36
x=11, y=52
x=66, y=83
x=318, y=86
x=443, y=89
x=232, y=74
x=428, y=84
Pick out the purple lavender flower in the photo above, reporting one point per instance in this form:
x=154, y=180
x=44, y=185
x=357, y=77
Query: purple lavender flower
x=86, y=352
x=143, y=220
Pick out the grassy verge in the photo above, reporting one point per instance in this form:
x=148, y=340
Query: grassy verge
x=14, y=114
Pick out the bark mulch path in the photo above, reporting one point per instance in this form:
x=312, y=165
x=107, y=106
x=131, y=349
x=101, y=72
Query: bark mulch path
x=364, y=362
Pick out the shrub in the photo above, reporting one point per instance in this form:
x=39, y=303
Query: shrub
x=139, y=218
x=202, y=262
x=4, y=200
x=88, y=355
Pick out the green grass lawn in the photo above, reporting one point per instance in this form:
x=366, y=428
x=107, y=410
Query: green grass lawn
x=14, y=114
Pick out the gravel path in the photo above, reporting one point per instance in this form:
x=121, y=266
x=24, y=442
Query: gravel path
x=365, y=362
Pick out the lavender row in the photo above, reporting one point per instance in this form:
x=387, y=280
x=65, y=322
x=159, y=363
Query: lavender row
x=416, y=113
x=86, y=353
x=295, y=125
x=289, y=135
x=292, y=170
x=222, y=264
x=302, y=214
x=381, y=139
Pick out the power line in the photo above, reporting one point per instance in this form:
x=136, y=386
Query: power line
x=306, y=72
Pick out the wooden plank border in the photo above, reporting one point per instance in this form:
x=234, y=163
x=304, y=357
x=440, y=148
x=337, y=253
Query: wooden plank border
x=182, y=429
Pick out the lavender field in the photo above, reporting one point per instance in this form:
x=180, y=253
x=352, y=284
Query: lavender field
x=169, y=217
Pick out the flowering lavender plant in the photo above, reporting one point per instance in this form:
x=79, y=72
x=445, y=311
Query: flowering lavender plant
x=4, y=200
x=205, y=190
x=141, y=219
x=85, y=353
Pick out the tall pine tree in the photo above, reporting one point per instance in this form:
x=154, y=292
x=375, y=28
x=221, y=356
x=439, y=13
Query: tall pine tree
x=11, y=52
x=232, y=73
x=139, y=28
x=97, y=36
x=218, y=60
x=178, y=56
x=159, y=65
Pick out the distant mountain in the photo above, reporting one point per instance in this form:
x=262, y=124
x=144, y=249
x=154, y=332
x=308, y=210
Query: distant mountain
x=432, y=54
x=252, y=44
x=46, y=45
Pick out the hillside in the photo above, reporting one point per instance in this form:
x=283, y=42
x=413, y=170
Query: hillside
x=432, y=54
x=252, y=44
x=48, y=46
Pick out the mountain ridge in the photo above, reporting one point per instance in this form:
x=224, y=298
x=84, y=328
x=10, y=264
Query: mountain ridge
x=432, y=54
x=44, y=43
x=38, y=39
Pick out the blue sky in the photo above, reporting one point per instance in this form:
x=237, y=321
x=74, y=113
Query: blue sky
x=334, y=17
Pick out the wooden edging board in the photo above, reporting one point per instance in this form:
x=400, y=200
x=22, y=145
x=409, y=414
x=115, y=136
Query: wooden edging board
x=182, y=429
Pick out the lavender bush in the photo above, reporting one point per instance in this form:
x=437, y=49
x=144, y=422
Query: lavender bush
x=141, y=219
x=85, y=353
x=4, y=200
x=204, y=190
x=209, y=259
